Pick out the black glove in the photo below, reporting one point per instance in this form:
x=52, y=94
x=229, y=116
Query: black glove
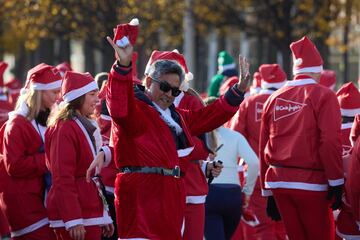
x=335, y=193
x=272, y=210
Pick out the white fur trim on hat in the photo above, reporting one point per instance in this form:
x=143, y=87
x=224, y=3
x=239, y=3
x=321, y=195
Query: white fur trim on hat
x=350, y=112
x=47, y=86
x=134, y=22
x=277, y=85
x=176, y=51
x=123, y=42
x=226, y=67
x=189, y=76
x=315, y=69
x=68, y=97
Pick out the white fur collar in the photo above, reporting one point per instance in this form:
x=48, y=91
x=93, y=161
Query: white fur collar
x=166, y=116
x=23, y=110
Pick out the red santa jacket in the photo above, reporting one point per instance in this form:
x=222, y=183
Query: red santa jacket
x=248, y=119
x=22, y=167
x=150, y=205
x=355, y=129
x=5, y=108
x=71, y=199
x=196, y=186
x=300, y=139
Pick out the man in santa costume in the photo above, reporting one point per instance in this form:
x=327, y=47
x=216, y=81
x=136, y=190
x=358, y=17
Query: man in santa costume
x=153, y=140
x=349, y=100
x=247, y=121
x=328, y=79
x=300, y=150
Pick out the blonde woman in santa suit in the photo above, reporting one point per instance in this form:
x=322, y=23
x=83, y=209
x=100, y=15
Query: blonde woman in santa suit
x=22, y=165
x=76, y=207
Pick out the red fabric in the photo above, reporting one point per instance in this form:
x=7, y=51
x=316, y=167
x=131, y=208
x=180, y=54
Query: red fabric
x=328, y=78
x=74, y=81
x=21, y=173
x=301, y=128
x=5, y=108
x=92, y=233
x=126, y=30
x=4, y=225
x=228, y=84
x=143, y=139
x=272, y=73
x=3, y=67
x=71, y=197
x=306, y=214
x=355, y=130
x=349, y=98
x=41, y=233
x=194, y=222
x=42, y=73
x=305, y=50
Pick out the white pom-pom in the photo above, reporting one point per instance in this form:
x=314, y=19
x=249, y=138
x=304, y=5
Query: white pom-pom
x=134, y=22
x=23, y=91
x=298, y=61
x=61, y=105
x=189, y=76
x=184, y=86
x=176, y=51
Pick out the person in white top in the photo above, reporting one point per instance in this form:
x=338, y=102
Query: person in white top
x=224, y=201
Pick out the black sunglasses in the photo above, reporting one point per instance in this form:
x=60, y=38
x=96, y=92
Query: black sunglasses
x=165, y=87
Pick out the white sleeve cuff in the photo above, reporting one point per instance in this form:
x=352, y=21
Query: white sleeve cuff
x=336, y=182
x=203, y=167
x=73, y=223
x=108, y=156
x=266, y=193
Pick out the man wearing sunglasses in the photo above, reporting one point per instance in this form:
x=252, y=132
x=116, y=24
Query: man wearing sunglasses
x=152, y=141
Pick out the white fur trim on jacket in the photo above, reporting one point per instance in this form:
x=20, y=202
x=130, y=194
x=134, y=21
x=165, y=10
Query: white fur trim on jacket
x=30, y=228
x=168, y=119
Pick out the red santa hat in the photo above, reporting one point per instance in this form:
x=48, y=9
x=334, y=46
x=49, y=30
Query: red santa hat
x=13, y=84
x=3, y=67
x=76, y=84
x=134, y=68
x=42, y=77
x=272, y=76
x=64, y=67
x=126, y=33
x=306, y=57
x=256, y=83
x=172, y=56
x=328, y=79
x=349, y=99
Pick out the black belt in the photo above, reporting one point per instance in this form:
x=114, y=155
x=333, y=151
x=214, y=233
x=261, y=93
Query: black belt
x=308, y=169
x=175, y=172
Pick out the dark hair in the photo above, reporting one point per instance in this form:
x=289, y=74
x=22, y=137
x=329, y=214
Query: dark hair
x=67, y=111
x=163, y=67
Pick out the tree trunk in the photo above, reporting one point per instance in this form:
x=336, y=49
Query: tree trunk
x=20, y=67
x=45, y=52
x=89, y=57
x=286, y=60
x=63, y=54
x=346, y=40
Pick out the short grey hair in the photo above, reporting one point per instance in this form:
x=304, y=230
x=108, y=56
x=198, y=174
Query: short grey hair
x=100, y=78
x=163, y=67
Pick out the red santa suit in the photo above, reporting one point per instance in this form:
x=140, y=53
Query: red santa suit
x=196, y=187
x=355, y=130
x=328, y=79
x=72, y=200
x=349, y=100
x=300, y=149
x=151, y=206
x=22, y=168
x=247, y=121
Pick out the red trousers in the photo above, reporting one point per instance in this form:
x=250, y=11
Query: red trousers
x=306, y=214
x=92, y=233
x=44, y=232
x=194, y=221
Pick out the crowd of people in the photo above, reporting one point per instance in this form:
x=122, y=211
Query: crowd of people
x=115, y=157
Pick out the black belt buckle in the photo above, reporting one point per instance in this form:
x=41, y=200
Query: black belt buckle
x=176, y=172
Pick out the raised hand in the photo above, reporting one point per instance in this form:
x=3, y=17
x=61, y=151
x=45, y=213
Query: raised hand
x=244, y=74
x=123, y=54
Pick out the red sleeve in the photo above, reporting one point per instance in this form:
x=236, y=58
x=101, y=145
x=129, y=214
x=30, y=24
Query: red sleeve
x=264, y=139
x=63, y=169
x=210, y=117
x=355, y=130
x=238, y=122
x=18, y=161
x=330, y=147
x=121, y=102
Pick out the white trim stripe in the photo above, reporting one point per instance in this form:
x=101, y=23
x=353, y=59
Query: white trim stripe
x=108, y=156
x=349, y=112
x=110, y=189
x=185, y=152
x=86, y=136
x=105, y=117
x=46, y=86
x=30, y=228
x=266, y=91
x=336, y=182
x=226, y=67
x=196, y=199
x=297, y=185
x=105, y=219
x=277, y=85
x=346, y=125
x=300, y=82
x=315, y=69
x=68, y=97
